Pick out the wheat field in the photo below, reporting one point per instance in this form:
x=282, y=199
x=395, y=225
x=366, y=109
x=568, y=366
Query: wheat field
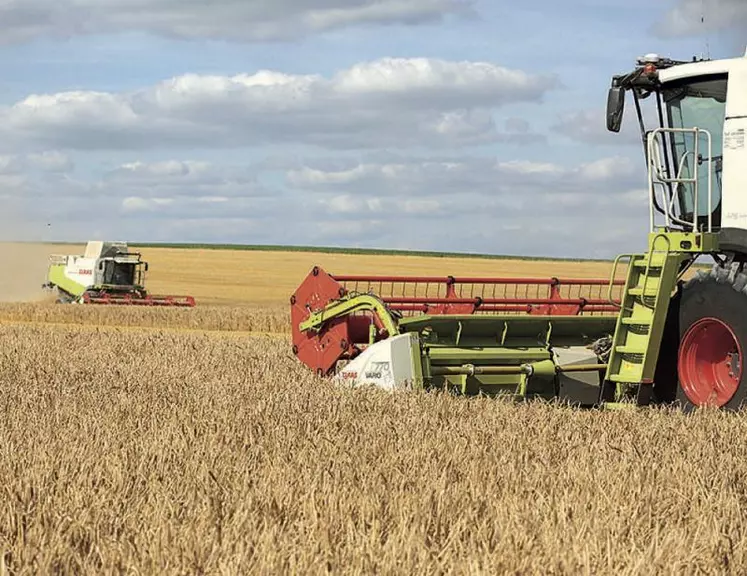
x=192, y=442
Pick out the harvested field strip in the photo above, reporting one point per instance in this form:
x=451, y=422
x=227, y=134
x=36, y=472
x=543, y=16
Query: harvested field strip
x=177, y=452
x=117, y=329
x=210, y=318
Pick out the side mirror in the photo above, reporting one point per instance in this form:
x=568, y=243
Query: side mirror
x=615, y=108
x=146, y=266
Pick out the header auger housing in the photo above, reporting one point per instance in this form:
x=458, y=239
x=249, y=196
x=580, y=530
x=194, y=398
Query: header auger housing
x=650, y=338
x=108, y=273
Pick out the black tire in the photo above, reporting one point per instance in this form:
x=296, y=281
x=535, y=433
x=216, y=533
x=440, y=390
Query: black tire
x=713, y=302
x=665, y=378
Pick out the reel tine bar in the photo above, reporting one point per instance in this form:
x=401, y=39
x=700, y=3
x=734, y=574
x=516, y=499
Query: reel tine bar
x=477, y=295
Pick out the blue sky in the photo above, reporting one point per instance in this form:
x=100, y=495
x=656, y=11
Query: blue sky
x=419, y=124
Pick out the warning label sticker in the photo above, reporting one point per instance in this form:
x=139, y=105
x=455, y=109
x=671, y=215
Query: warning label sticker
x=734, y=139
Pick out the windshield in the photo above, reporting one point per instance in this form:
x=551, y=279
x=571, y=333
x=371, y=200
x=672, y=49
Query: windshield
x=698, y=103
x=119, y=274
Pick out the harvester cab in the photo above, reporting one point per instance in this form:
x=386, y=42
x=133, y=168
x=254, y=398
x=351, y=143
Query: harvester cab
x=107, y=273
x=652, y=335
x=695, y=143
x=116, y=268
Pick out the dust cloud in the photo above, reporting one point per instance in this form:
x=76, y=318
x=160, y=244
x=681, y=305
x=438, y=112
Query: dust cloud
x=23, y=257
x=23, y=269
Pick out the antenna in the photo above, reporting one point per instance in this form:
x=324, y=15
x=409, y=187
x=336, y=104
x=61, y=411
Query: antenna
x=705, y=30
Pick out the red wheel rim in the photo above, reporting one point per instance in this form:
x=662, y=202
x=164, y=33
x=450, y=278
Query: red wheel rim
x=710, y=363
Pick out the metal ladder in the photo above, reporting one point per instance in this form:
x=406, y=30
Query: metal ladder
x=635, y=345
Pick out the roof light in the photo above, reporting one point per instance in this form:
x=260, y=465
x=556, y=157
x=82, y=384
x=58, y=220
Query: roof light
x=649, y=59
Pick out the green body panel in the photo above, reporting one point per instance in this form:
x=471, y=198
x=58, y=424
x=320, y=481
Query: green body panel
x=476, y=340
x=351, y=305
x=510, y=331
x=540, y=384
x=56, y=275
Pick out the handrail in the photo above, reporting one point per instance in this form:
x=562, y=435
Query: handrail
x=655, y=142
x=613, y=282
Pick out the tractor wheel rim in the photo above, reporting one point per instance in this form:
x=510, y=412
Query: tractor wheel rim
x=710, y=363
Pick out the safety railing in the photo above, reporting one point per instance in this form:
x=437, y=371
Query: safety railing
x=679, y=183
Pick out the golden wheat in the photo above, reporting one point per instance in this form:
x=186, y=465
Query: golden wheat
x=185, y=453
x=156, y=440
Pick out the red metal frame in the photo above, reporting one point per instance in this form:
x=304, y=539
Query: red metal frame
x=474, y=295
x=343, y=338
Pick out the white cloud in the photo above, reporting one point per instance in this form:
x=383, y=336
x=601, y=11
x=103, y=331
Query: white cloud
x=173, y=178
x=135, y=203
x=359, y=204
x=51, y=161
x=346, y=204
x=390, y=102
x=616, y=168
x=47, y=161
x=445, y=83
x=517, y=207
x=590, y=127
x=684, y=19
x=421, y=206
x=11, y=184
x=143, y=171
x=9, y=165
x=248, y=20
x=459, y=177
x=495, y=205
x=522, y=167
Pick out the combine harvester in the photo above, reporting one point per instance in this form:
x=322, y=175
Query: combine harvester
x=650, y=338
x=108, y=273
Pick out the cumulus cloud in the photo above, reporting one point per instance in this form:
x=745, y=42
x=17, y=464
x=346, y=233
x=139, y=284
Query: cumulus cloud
x=136, y=204
x=684, y=19
x=388, y=102
x=517, y=207
x=170, y=178
x=457, y=178
x=10, y=165
x=246, y=21
x=49, y=161
x=590, y=127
